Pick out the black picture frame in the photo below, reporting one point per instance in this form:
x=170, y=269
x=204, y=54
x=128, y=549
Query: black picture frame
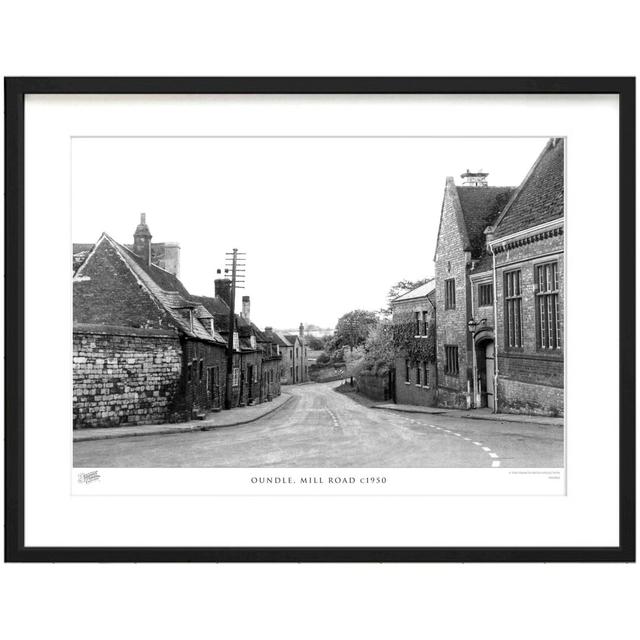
x=15, y=91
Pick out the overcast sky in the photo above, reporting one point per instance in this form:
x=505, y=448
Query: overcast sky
x=328, y=224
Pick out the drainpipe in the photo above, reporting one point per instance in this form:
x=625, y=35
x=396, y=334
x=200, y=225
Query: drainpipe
x=495, y=332
x=473, y=352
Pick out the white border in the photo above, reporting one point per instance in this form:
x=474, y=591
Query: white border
x=587, y=516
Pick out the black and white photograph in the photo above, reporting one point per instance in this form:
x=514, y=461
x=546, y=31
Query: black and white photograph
x=318, y=302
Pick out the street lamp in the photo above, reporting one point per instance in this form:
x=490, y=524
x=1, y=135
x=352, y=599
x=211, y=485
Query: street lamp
x=472, y=325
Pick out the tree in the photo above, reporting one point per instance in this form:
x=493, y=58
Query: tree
x=379, y=348
x=353, y=328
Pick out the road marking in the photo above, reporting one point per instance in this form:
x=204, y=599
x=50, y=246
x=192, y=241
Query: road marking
x=486, y=448
x=467, y=439
x=495, y=463
x=478, y=444
x=493, y=455
x=457, y=434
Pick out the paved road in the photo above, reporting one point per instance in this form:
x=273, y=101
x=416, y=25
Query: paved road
x=324, y=428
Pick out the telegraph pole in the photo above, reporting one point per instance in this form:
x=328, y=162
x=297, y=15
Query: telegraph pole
x=235, y=263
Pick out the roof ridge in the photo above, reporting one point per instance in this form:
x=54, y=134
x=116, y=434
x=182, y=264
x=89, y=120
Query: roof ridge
x=519, y=189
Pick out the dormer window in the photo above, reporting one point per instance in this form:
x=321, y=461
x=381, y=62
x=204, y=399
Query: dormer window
x=252, y=341
x=236, y=341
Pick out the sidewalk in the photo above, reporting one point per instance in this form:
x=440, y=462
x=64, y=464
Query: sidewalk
x=230, y=418
x=475, y=414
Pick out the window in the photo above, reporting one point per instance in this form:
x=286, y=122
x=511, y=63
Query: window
x=485, y=295
x=407, y=371
x=194, y=369
x=513, y=309
x=418, y=383
x=236, y=376
x=547, y=306
x=451, y=360
x=189, y=373
x=418, y=328
x=450, y=293
x=425, y=374
x=425, y=323
x=201, y=371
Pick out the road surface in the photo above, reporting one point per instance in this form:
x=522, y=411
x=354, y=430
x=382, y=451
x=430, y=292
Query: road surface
x=324, y=428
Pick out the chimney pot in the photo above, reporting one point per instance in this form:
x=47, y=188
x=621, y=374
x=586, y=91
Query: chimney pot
x=142, y=240
x=223, y=290
x=246, y=308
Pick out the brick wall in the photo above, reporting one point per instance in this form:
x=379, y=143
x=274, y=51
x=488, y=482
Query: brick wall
x=532, y=379
x=108, y=293
x=412, y=393
x=124, y=376
x=522, y=397
x=451, y=262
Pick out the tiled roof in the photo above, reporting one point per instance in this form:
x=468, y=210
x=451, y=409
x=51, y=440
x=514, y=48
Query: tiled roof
x=291, y=338
x=165, y=280
x=480, y=207
x=419, y=292
x=484, y=264
x=80, y=253
x=540, y=197
x=175, y=300
x=277, y=338
x=218, y=308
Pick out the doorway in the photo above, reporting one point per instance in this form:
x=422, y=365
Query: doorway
x=490, y=367
x=485, y=359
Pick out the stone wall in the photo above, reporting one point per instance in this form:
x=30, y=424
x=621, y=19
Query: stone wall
x=374, y=387
x=451, y=324
x=124, y=376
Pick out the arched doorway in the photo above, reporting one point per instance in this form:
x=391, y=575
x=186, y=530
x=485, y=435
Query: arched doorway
x=485, y=362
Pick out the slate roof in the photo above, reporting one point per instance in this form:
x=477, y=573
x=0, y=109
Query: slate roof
x=277, y=338
x=168, y=291
x=540, y=197
x=480, y=208
x=419, y=292
x=80, y=253
x=291, y=338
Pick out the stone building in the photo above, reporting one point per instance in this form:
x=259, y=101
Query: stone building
x=147, y=351
x=413, y=316
x=143, y=350
x=285, y=349
x=500, y=291
x=298, y=362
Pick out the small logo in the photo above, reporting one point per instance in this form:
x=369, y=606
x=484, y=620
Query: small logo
x=90, y=476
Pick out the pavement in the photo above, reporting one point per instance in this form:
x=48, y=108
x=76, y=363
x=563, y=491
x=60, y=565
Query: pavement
x=216, y=420
x=319, y=427
x=475, y=414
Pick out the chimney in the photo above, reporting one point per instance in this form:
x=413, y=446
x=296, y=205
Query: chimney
x=142, y=240
x=246, y=308
x=474, y=178
x=268, y=329
x=301, y=330
x=223, y=290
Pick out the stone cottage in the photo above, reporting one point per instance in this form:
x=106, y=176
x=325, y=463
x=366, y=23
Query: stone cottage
x=143, y=350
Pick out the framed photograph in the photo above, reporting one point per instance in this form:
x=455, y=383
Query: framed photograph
x=320, y=319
